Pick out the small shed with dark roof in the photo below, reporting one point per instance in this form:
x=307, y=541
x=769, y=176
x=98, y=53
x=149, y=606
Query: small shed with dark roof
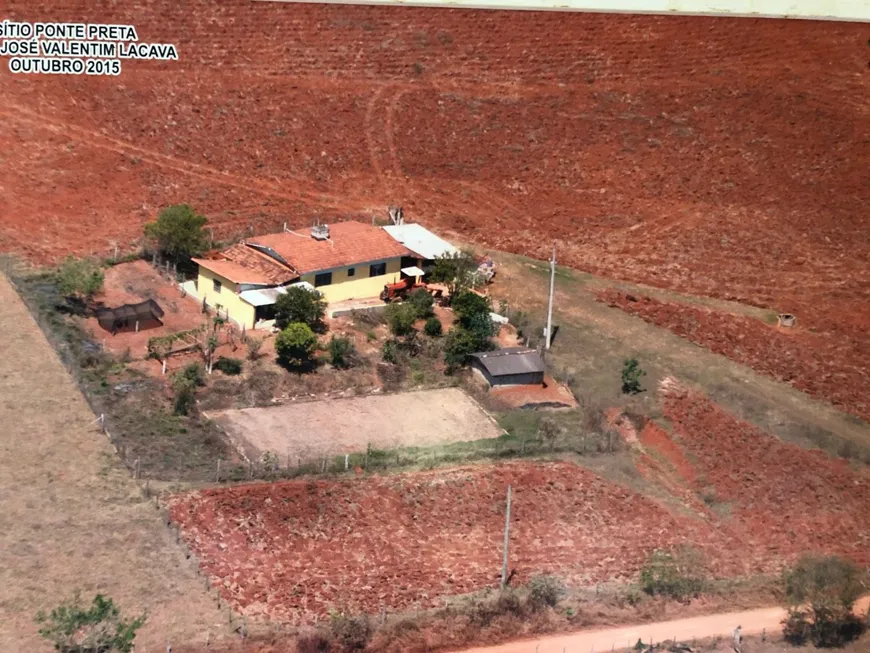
x=510, y=366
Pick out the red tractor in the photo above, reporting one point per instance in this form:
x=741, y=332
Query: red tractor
x=400, y=290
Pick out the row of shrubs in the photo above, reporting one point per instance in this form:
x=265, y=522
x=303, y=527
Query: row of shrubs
x=346, y=632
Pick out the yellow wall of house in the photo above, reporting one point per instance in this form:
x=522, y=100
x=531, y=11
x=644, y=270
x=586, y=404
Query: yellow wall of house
x=359, y=286
x=240, y=311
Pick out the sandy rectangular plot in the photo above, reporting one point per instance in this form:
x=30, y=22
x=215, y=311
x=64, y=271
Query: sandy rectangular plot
x=337, y=426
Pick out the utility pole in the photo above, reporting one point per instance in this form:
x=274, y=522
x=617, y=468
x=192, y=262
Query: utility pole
x=550, y=306
x=507, y=529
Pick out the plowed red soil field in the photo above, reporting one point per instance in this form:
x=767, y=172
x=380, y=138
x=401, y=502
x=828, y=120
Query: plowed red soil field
x=718, y=156
x=784, y=500
x=832, y=369
x=292, y=550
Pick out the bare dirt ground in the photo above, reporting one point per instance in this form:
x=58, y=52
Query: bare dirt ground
x=552, y=394
x=131, y=283
x=312, y=429
x=72, y=518
x=686, y=152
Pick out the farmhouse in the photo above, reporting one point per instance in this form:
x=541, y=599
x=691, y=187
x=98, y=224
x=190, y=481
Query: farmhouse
x=510, y=366
x=344, y=261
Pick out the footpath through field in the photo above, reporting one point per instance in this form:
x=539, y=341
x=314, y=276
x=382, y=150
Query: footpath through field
x=683, y=630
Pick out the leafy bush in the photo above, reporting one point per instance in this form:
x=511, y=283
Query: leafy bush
x=631, y=375
x=229, y=366
x=422, y=302
x=548, y=432
x=401, y=318
x=676, y=575
x=352, y=632
x=254, y=346
x=296, y=345
x=313, y=643
x=178, y=232
x=483, y=612
x=75, y=628
x=433, y=327
x=467, y=305
x=821, y=592
x=185, y=396
x=299, y=305
x=79, y=278
x=545, y=591
x=194, y=373
x=390, y=351
x=342, y=352
x=184, y=383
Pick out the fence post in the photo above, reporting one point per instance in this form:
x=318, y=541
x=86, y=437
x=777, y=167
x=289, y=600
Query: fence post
x=346, y=461
x=217, y=477
x=507, y=527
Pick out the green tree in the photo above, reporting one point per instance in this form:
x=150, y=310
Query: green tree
x=454, y=270
x=821, y=592
x=459, y=344
x=422, y=302
x=178, y=233
x=79, y=278
x=185, y=393
x=75, y=628
x=468, y=306
x=401, y=318
x=433, y=327
x=631, y=375
x=342, y=352
x=296, y=345
x=299, y=305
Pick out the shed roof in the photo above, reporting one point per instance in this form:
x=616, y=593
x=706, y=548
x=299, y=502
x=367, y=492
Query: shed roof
x=268, y=296
x=350, y=243
x=420, y=240
x=511, y=360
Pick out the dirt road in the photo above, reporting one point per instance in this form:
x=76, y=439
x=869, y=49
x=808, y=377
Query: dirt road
x=684, y=630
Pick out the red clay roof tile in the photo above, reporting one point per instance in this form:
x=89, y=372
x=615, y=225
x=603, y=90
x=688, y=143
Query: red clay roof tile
x=350, y=243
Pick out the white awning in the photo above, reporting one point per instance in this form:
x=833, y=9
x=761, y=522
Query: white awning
x=268, y=296
x=413, y=271
x=420, y=240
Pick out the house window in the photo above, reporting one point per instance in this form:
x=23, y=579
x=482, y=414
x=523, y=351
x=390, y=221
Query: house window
x=351, y=272
x=216, y=285
x=378, y=270
x=322, y=279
